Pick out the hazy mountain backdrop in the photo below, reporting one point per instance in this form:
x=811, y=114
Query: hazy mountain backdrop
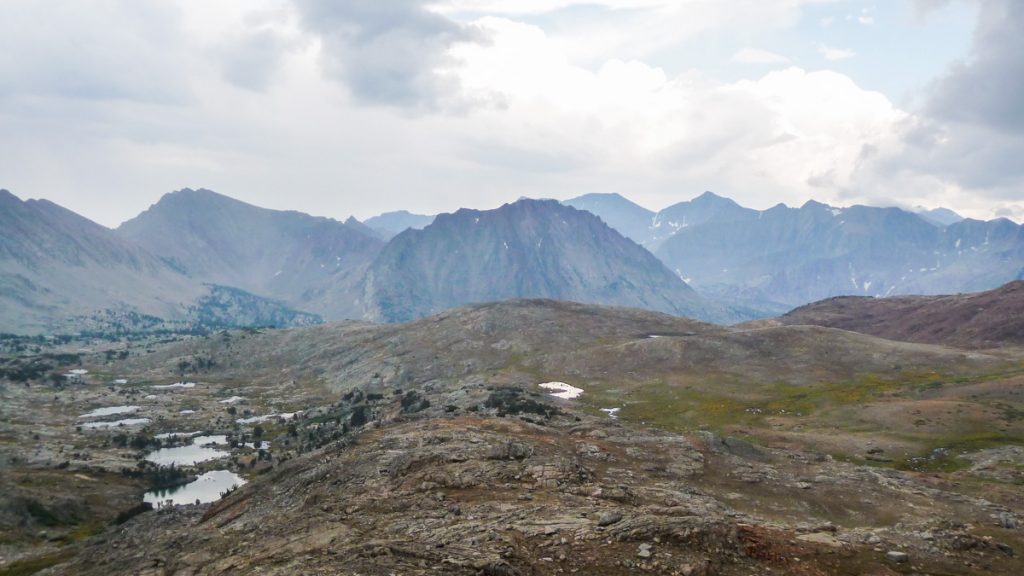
x=60, y=271
x=200, y=257
x=536, y=248
x=784, y=257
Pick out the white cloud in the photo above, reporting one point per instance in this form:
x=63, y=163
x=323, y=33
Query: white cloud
x=584, y=109
x=834, y=54
x=758, y=56
x=786, y=136
x=866, y=16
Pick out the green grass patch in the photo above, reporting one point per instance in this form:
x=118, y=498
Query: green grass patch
x=725, y=403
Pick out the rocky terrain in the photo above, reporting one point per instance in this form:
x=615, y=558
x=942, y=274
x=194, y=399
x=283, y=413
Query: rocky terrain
x=973, y=320
x=531, y=248
x=432, y=448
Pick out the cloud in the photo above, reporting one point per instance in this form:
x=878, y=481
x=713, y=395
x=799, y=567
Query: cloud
x=758, y=56
x=107, y=106
x=988, y=87
x=834, y=54
x=925, y=7
x=394, y=52
x=69, y=49
x=785, y=136
x=252, y=59
x=866, y=16
x=967, y=140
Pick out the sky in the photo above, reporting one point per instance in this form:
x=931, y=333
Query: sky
x=366, y=106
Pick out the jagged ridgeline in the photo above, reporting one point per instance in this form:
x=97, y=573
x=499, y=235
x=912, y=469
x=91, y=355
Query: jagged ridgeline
x=530, y=248
x=199, y=259
x=776, y=259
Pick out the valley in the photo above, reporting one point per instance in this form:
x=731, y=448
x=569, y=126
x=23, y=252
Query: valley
x=431, y=447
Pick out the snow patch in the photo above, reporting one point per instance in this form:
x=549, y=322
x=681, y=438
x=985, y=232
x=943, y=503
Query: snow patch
x=259, y=419
x=564, y=390
x=110, y=411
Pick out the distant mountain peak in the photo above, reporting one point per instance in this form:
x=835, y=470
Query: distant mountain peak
x=287, y=255
x=709, y=196
x=938, y=216
x=625, y=216
x=813, y=204
x=529, y=248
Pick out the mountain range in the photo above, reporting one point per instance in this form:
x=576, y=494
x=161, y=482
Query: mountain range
x=60, y=271
x=198, y=257
x=783, y=257
x=291, y=256
x=538, y=248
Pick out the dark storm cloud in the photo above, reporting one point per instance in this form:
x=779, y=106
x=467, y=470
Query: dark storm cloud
x=970, y=130
x=988, y=88
x=973, y=155
x=386, y=52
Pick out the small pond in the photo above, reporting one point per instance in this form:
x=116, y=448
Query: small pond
x=207, y=488
x=175, y=385
x=185, y=455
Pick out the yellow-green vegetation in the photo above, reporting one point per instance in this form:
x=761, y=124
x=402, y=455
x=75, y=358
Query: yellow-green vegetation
x=86, y=530
x=920, y=411
x=32, y=565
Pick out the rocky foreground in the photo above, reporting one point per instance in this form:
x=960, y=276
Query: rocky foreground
x=435, y=448
x=528, y=494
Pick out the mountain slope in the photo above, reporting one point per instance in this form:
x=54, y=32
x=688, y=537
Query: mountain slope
x=55, y=264
x=631, y=220
x=390, y=224
x=531, y=248
x=938, y=216
x=708, y=207
x=286, y=255
x=794, y=256
x=979, y=320
x=60, y=272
